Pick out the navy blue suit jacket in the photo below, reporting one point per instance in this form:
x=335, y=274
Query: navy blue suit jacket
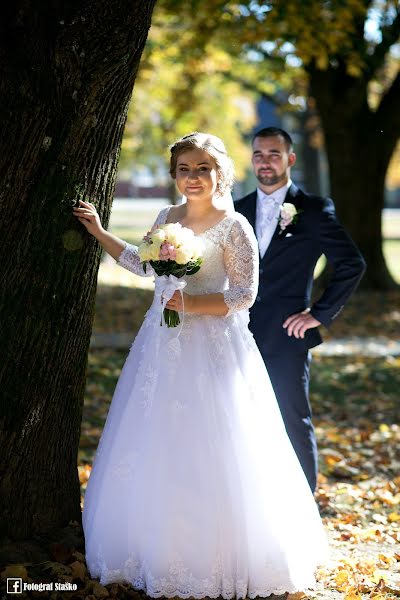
x=286, y=271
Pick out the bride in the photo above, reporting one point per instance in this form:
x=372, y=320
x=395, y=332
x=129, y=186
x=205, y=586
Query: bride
x=195, y=489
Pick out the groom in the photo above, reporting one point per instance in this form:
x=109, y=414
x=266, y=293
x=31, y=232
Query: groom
x=291, y=241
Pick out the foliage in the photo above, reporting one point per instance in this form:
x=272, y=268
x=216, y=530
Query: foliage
x=357, y=35
x=182, y=87
x=202, y=55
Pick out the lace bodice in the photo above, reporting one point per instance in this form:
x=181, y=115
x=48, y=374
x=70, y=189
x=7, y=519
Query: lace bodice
x=230, y=262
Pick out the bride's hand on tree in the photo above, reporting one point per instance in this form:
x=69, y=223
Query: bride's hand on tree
x=89, y=217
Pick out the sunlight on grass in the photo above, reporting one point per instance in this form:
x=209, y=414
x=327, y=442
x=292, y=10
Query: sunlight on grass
x=391, y=223
x=130, y=224
x=391, y=250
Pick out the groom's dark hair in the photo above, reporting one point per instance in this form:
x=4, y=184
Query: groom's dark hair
x=274, y=131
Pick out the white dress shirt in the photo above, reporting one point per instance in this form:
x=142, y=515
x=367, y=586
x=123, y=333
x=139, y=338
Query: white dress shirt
x=267, y=215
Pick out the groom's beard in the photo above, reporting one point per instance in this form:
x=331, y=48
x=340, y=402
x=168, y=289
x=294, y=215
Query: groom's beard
x=272, y=179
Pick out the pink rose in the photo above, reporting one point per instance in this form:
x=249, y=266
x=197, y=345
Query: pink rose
x=172, y=252
x=285, y=220
x=167, y=251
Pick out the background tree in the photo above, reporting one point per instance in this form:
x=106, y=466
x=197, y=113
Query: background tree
x=182, y=87
x=349, y=54
x=67, y=73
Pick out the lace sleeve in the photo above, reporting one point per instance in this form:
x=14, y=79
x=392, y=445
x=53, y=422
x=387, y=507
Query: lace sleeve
x=129, y=258
x=241, y=264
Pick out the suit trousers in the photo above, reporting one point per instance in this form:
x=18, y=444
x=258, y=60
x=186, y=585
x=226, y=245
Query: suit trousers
x=290, y=377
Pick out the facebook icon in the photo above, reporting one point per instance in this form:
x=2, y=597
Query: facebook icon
x=14, y=585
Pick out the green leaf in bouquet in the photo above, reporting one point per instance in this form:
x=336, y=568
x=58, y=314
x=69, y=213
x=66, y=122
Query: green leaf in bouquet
x=179, y=271
x=161, y=267
x=166, y=267
x=194, y=266
x=171, y=318
x=193, y=270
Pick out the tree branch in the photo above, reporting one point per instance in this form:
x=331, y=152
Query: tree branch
x=390, y=35
x=253, y=87
x=279, y=60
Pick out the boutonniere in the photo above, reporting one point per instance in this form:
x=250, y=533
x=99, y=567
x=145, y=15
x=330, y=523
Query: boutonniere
x=288, y=216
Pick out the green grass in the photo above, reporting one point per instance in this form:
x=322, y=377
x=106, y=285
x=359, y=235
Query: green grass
x=391, y=250
x=134, y=234
x=355, y=388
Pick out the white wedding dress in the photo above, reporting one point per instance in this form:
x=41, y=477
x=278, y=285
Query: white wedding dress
x=195, y=489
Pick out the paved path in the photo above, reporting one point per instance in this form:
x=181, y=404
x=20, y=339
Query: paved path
x=361, y=346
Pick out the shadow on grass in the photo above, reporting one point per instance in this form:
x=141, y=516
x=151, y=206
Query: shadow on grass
x=120, y=309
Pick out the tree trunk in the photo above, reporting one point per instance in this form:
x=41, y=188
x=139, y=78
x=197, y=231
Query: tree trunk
x=309, y=153
x=358, y=153
x=68, y=70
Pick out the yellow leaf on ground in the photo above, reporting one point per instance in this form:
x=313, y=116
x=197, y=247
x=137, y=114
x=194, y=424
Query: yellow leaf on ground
x=341, y=577
x=387, y=560
x=378, y=578
x=352, y=594
x=99, y=591
x=78, y=570
x=14, y=571
x=393, y=517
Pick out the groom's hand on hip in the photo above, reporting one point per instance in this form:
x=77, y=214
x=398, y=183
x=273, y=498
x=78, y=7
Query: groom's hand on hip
x=298, y=323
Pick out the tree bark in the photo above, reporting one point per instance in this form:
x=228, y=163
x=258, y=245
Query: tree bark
x=310, y=157
x=68, y=70
x=359, y=147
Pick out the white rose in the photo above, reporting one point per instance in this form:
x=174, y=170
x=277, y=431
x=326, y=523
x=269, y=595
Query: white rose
x=183, y=255
x=154, y=251
x=188, y=239
x=144, y=252
x=289, y=209
x=172, y=239
x=158, y=236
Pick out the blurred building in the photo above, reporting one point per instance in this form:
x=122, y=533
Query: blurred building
x=311, y=171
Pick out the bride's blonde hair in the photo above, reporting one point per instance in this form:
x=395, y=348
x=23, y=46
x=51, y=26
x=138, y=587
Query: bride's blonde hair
x=215, y=147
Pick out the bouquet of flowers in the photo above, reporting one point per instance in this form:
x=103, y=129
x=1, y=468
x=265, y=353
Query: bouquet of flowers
x=173, y=251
